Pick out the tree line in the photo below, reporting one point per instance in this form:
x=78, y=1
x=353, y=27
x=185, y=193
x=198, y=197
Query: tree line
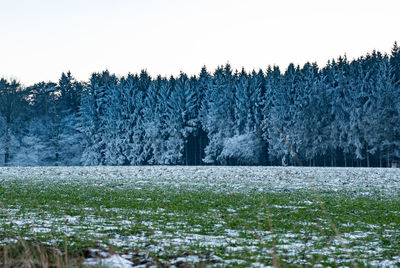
x=344, y=114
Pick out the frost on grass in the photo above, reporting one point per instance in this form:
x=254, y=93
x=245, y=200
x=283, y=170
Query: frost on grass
x=114, y=261
x=217, y=179
x=217, y=215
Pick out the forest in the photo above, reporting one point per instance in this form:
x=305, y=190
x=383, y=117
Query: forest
x=346, y=113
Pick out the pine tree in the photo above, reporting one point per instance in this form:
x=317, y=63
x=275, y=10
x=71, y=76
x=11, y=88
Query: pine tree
x=270, y=110
x=202, y=87
x=245, y=146
x=70, y=91
x=384, y=134
x=395, y=64
x=129, y=113
x=114, y=127
x=70, y=141
x=312, y=115
x=151, y=123
x=177, y=118
x=218, y=120
x=137, y=155
x=340, y=91
x=159, y=128
x=244, y=117
x=88, y=125
x=282, y=117
x=13, y=106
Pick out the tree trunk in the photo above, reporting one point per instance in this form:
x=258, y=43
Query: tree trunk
x=186, y=153
x=6, y=155
x=366, y=152
x=7, y=148
x=200, y=147
x=345, y=159
x=388, y=158
x=195, y=150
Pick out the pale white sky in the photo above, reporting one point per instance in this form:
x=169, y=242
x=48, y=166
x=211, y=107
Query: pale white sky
x=39, y=39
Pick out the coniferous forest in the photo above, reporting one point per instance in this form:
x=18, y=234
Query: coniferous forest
x=346, y=113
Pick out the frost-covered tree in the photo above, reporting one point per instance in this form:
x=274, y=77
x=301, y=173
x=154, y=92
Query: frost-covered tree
x=94, y=118
x=346, y=113
x=218, y=118
x=312, y=119
x=245, y=149
x=281, y=117
x=273, y=82
x=177, y=121
x=70, y=141
x=257, y=89
x=32, y=148
x=203, y=85
x=247, y=112
x=381, y=115
x=395, y=64
x=69, y=93
x=359, y=97
x=130, y=111
x=155, y=110
x=88, y=128
x=338, y=85
x=114, y=127
x=244, y=105
x=137, y=154
x=3, y=129
x=155, y=113
x=13, y=106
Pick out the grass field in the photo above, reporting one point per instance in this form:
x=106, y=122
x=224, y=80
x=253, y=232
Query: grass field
x=200, y=216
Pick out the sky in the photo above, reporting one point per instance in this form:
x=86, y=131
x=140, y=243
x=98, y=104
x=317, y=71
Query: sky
x=40, y=39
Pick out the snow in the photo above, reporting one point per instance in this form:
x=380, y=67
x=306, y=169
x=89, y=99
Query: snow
x=359, y=181
x=375, y=182
x=114, y=261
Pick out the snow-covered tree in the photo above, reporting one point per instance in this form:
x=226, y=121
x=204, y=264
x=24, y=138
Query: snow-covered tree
x=177, y=121
x=32, y=148
x=94, y=118
x=346, y=113
x=13, y=106
x=281, y=131
x=245, y=149
x=218, y=120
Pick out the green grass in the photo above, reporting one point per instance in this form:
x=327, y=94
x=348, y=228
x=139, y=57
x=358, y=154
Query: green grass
x=223, y=228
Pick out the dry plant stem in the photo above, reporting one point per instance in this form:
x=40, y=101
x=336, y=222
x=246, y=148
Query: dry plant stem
x=5, y=257
x=28, y=262
x=29, y=258
x=59, y=262
x=66, y=250
x=42, y=255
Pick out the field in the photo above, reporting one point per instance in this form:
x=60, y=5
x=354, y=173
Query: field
x=200, y=216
